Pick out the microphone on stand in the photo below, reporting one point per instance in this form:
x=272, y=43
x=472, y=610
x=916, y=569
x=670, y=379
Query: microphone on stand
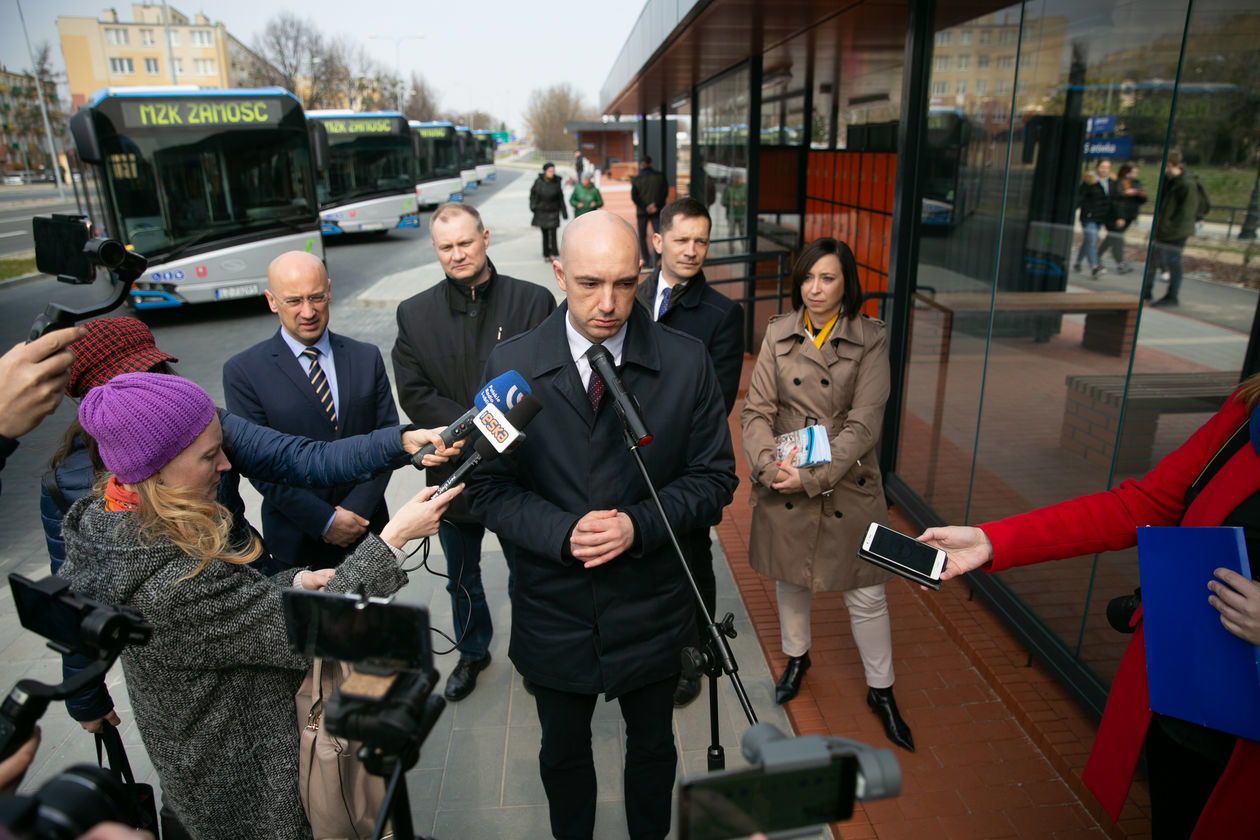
x=625, y=403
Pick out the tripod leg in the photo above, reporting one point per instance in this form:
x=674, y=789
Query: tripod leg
x=716, y=755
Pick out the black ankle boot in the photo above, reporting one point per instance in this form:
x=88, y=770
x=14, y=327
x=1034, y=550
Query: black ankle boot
x=884, y=706
x=790, y=683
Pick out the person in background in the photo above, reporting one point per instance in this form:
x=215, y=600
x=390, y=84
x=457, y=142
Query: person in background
x=1127, y=195
x=649, y=190
x=735, y=202
x=678, y=296
x=307, y=380
x=213, y=688
x=1182, y=203
x=1203, y=782
x=824, y=363
x=445, y=335
x=585, y=196
x=546, y=202
x=32, y=380
x=1094, y=199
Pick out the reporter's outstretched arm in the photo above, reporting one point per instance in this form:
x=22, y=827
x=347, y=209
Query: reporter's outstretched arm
x=33, y=380
x=419, y=517
x=966, y=548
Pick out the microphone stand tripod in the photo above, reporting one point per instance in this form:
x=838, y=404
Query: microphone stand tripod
x=715, y=657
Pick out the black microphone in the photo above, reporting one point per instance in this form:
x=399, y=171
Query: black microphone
x=518, y=417
x=502, y=392
x=627, y=406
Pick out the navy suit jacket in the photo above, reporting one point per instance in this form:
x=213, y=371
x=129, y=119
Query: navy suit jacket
x=268, y=385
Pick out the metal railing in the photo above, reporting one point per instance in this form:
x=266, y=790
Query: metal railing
x=750, y=298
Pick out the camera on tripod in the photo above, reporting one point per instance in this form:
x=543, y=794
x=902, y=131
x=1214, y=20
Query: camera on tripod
x=66, y=249
x=78, y=798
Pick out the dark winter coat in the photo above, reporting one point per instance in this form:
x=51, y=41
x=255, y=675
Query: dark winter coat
x=811, y=538
x=649, y=187
x=701, y=311
x=1095, y=202
x=212, y=691
x=546, y=202
x=445, y=335
x=1182, y=203
x=1126, y=206
x=621, y=625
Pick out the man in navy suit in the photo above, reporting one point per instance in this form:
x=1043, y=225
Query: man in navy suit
x=307, y=380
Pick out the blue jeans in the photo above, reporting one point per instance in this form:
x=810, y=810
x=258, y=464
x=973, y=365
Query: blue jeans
x=1089, y=246
x=1167, y=257
x=461, y=543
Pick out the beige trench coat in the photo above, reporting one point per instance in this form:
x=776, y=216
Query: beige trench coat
x=811, y=538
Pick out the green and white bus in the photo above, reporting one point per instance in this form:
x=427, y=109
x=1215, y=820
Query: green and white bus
x=486, y=144
x=210, y=185
x=438, y=180
x=467, y=157
x=369, y=184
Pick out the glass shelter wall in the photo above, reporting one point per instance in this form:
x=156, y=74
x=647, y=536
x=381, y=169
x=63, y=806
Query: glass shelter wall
x=1037, y=368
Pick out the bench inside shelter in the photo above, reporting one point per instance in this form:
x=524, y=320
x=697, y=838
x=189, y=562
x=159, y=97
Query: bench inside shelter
x=1091, y=416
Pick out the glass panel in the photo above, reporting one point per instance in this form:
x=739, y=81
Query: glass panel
x=722, y=152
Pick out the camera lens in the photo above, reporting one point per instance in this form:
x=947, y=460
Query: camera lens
x=74, y=801
x=111, y=253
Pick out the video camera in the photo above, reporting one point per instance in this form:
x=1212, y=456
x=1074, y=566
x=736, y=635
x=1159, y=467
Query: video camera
x=65, y=248
x=795, y=783
x=78, y=798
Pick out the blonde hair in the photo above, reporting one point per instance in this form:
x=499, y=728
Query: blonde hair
x=199, y=527
x=1248, y=392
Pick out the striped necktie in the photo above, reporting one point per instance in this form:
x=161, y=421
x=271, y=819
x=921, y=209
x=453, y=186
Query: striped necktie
x=664, y=302
x=320, y=383
x=595, y=391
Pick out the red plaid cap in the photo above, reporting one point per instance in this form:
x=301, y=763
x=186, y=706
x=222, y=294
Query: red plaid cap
x=112, y=346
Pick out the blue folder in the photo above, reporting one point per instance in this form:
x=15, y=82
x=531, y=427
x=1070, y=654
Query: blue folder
x=1196, y=670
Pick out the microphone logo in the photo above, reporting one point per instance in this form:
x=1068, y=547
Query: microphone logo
x=492, y=428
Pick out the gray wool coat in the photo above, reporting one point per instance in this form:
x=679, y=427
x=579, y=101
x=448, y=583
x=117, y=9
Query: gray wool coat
x=811, y=538
x=212, y=691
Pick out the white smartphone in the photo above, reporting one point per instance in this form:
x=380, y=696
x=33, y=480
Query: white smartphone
x=903, y=555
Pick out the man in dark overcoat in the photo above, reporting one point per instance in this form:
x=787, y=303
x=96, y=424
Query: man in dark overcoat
x=601, y=603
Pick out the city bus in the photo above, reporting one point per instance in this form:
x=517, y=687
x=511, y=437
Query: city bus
x=369, y=184
x=486, y=144
x=467, y=157
x=952, y=187
x=438, y=178
x=209, y=185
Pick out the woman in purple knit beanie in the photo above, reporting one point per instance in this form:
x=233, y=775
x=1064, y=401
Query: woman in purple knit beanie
x=213, y=690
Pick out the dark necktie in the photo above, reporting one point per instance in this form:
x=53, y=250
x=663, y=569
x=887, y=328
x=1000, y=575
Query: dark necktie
x=664, y=302
x=320, y=383
x=595, y=391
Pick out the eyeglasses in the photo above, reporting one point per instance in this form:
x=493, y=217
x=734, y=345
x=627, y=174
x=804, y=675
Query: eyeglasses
x=313, y=300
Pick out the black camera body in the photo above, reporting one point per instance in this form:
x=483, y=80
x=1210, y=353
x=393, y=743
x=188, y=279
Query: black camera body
x=66, y=806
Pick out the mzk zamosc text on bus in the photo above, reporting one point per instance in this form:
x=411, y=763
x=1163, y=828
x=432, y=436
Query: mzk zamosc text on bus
x=369, y=182
x=438, y=179
x=210, y=185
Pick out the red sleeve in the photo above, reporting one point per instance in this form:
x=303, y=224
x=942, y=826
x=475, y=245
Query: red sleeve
x=1108, y=521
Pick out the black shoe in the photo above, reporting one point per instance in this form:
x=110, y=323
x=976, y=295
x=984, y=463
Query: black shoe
x=1166, y=300
x=687, y=690
x=884, y=706
x=1097, y=272
x=1077, y=268
x=790, y=683
x=463, y=679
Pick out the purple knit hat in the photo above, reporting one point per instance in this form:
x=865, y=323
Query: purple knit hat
x=142, y=420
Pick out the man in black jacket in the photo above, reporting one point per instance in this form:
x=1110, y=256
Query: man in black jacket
x=445, y=335
x=601, y=605
x=678, y=296
x=649, y=190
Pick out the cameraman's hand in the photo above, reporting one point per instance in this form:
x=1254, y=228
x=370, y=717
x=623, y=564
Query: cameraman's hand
x=114, y=831
x=415, y=440
x=33, y=380
x=315, y=580
x=419, y=517
x=13, y=768
x=97, y=727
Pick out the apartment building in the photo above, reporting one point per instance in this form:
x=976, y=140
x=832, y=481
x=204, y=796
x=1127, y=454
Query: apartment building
x=21, y=130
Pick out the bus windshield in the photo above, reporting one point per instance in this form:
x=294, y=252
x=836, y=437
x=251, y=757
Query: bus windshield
x=485, y=148
x=369, y=156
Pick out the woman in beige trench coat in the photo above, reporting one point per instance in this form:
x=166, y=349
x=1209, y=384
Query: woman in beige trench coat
x=824, y=364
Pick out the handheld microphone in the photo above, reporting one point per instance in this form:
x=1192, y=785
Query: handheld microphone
x=627, y=406
x=486, y=449
x=503, y=392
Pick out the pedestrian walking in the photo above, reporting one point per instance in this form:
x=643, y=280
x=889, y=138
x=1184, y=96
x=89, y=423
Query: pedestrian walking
x=585, y=196
x=546, y=202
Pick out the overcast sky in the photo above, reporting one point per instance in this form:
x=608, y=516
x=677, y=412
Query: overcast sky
x=486, y=54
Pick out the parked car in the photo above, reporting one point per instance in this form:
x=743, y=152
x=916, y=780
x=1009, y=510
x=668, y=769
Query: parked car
x=14, y=180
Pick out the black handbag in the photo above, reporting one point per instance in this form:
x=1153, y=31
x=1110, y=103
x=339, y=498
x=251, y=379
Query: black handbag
x=143, y=804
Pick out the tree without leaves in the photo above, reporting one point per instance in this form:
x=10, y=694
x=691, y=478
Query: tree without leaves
x=473, y=119
x=28, y=121
x=296, y=58
x=547, y=112
x=421, y=100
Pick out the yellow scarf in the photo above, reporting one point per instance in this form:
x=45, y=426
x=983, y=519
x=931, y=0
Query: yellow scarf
x=821, y=335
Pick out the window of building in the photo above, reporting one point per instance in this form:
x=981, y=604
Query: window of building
x=151, y=66
x=116, y=37
x=940, y=63
x=174, y=38
x=943, y=38
x=982, y=87
x=122, y=66
x=1001, y=87
x=985, y=36
x=200, y=38
x=203, y=66
x=964, y=37
x=964, y=62
x=938, y=88
x=961, y=88
x=1005, y=62
x=1007, y=36
x=146, y=37
x=179, y=66
x=982, y=62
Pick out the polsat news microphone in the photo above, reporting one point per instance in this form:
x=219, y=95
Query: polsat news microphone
x=627, y=406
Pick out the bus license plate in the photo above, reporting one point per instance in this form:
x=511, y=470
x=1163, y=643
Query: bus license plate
x=229, y=292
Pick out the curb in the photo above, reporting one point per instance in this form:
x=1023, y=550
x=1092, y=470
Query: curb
x=21, y=281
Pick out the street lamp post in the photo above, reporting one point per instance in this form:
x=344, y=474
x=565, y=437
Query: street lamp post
x=43, y=109
x=398, y=39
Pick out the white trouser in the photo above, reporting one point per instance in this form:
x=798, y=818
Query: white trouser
x=868, y=618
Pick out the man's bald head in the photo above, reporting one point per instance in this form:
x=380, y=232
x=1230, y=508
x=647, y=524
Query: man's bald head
x=602, y=225
x=598, y=271
x=299, y=291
